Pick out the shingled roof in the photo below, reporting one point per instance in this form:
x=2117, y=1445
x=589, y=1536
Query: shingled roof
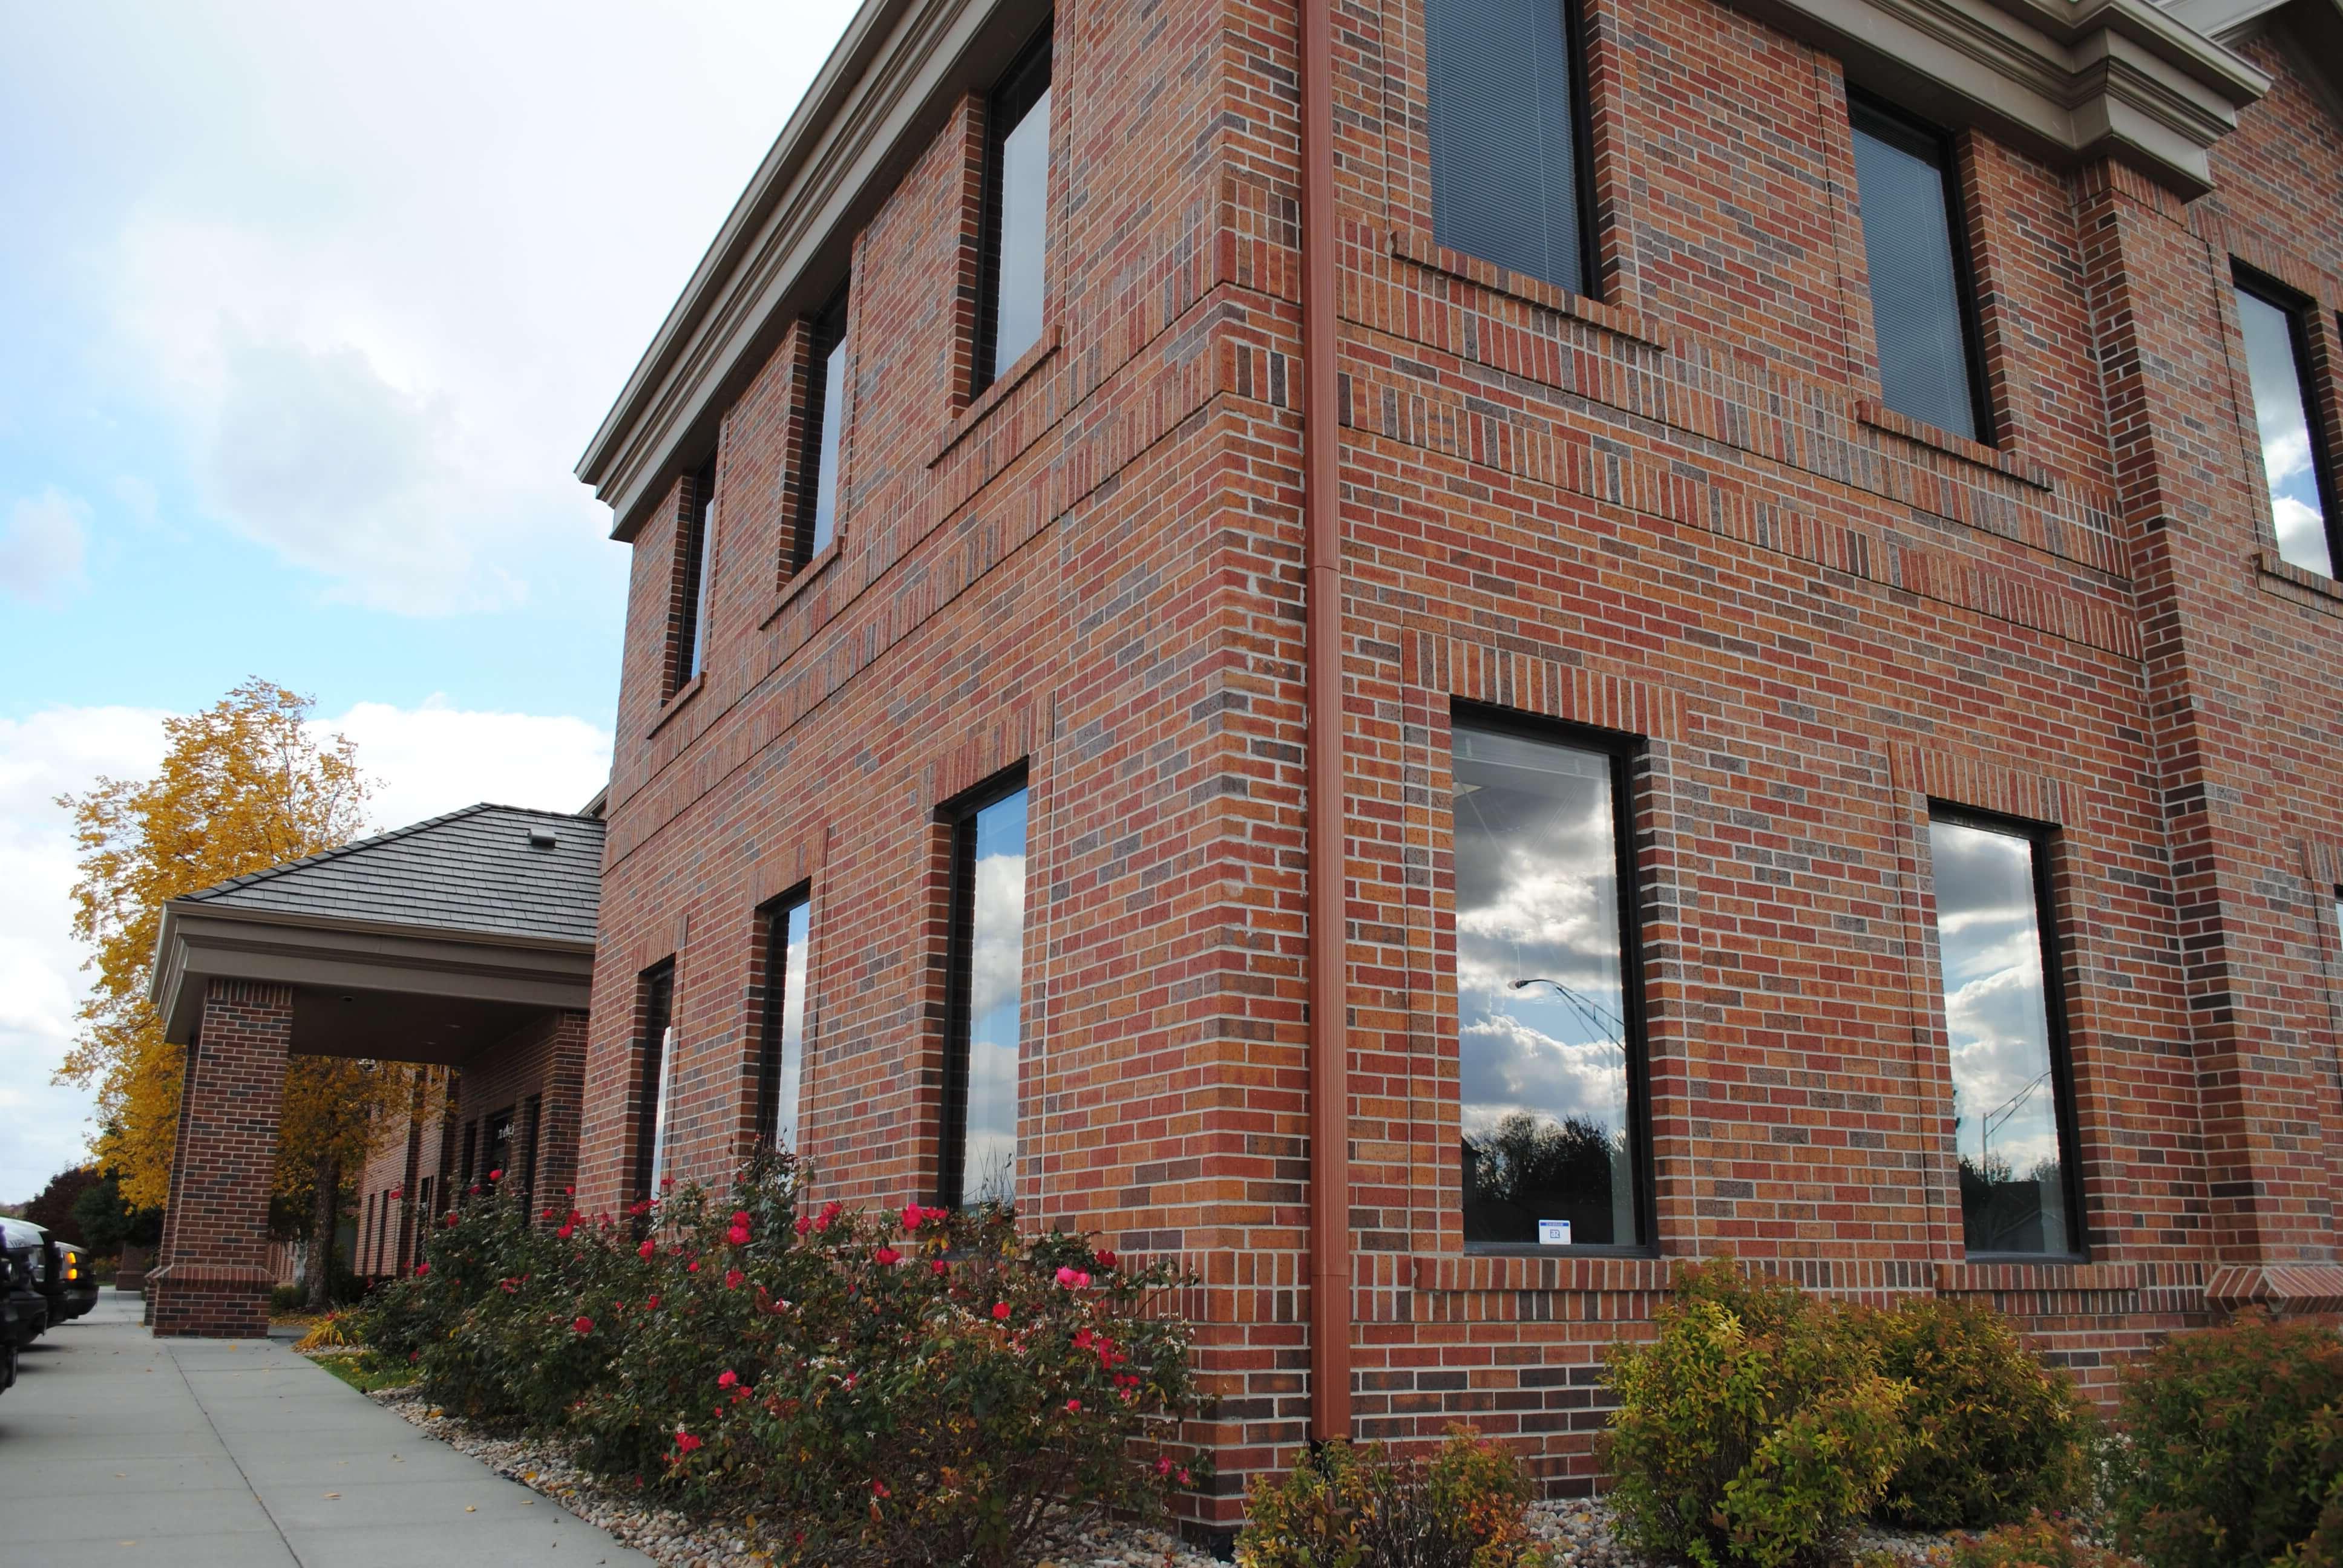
x=480, y=869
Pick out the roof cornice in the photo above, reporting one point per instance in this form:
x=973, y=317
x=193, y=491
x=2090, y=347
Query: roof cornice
x=2066, y=80
x=896, y=72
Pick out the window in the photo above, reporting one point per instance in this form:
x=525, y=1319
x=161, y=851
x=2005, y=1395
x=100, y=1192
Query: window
x=698, y=539
x=825, y=412
x=2294, y=458
x=1509, y=180
x=1997, y=945
x=532, y=1120
x=367, y=1231
x=471, y=1141
x=985, y=1002
x=1548, y=1033
x=781, y=1060
x=658, y=1069
x=1016, y=235
x=1921, y=296
x=496, y=1154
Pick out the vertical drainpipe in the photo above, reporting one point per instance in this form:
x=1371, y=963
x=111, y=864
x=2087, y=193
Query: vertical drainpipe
x=1330, y=1078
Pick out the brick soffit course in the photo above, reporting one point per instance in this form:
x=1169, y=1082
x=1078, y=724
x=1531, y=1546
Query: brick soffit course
x=2068, y=80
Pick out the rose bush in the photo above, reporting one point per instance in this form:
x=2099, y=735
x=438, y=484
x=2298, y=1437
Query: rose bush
x=854, y=1382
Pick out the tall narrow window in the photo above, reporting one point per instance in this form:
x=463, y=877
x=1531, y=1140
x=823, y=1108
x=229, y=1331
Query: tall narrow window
x=1922, y=303
x=2005, y=1022
x=658, y=1068
x=1016, y=216
x=471, y=1143
x=498, y=1152
x=825, y=412
x=1508, y=164
x=532, y=1123
x=2294, y=458
x=986, y=1000
x=698, y=541
x=1547, y=1028
x=788, y=926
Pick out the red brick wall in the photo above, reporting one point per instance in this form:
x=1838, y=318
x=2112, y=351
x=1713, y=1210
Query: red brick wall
x=1678, y=513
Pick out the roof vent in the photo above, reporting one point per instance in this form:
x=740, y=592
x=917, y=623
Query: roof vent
x=542, y=839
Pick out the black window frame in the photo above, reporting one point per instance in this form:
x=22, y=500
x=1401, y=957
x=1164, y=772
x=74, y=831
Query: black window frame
x=1943, y=146
x=657, y=1008
x=697, y=550
x=826, y=333
x=1575, y=33
x=1021, y=87
x=2299, y=311
x=1627, y=754
x=529, y=1129
x=2043, y=836
x=960, y=815
x=774, y=916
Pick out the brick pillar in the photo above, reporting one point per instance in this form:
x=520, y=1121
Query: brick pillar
x=556, y=1154
x=215, y=1279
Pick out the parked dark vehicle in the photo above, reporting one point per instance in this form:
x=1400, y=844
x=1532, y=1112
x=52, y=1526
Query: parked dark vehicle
x=61, y=1272
x=24, y=1309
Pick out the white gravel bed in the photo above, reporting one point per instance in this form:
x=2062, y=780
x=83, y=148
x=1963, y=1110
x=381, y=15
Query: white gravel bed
x=678, y=1541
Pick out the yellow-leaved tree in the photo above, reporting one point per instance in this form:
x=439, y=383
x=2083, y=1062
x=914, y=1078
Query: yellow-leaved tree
x=244, y=785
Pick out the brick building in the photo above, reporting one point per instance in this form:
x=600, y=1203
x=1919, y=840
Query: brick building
x=1436, y=653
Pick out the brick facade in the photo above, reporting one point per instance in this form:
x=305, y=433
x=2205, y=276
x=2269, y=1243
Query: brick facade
x=1679, y=514
x=536, y=1073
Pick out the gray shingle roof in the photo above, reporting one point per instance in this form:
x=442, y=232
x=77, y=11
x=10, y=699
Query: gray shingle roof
x=470, y=871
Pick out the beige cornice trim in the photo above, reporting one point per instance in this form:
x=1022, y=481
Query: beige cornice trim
x=199, y=942
x=897, y=72
x=2067, y=82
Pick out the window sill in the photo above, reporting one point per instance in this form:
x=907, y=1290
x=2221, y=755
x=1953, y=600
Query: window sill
x=2270, y=564
x=1871, y=411
x=674, y=705
x=1617, y=1269
x=977, y=407
x=804, y=578
x=1417, y=246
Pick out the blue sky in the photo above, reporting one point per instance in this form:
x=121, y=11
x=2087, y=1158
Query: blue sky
x=306, y=313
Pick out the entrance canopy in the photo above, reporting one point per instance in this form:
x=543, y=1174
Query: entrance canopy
x=421, y=945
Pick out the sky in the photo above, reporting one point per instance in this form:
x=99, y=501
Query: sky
x=305, y=315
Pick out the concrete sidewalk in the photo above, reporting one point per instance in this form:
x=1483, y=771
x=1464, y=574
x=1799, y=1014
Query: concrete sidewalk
x=118, y=1447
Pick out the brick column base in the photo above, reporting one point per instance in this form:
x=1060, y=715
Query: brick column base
x=216, y=1279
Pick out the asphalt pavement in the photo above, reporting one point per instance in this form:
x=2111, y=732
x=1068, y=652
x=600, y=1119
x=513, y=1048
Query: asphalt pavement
x=116, y=1447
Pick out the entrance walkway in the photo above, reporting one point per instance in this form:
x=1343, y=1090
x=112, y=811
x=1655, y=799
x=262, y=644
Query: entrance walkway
x=118, y=1447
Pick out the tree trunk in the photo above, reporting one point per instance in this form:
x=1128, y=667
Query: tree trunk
x=322, y=1221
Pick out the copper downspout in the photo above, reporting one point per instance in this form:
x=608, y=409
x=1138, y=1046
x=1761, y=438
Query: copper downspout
x=1329, y=1076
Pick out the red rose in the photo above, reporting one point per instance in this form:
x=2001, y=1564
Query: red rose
x=685, y=1443
x=567, y=1226
x=912, y=1215
x=496, y=1175
x=732, y=1278
x=739, y=1216
x=651, y=1305
x=584, y=1325
x=421, y=1269
x=940, y=1267
x=804, y=1224
x=1107, y=1260
x=1073, y=1407
x=886, y=1255
x=727, y=1378
x=647, y=1249
x=737, y=1235
x=1000, y=1310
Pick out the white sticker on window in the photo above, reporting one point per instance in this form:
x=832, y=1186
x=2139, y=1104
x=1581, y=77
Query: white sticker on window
x=1554, y=1232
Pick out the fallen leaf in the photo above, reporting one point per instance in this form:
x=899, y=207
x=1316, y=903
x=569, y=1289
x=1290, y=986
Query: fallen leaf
x=471, y=1508
x=333, y=1495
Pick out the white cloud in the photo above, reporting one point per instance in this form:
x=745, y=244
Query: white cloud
x=427, y=760
x=42, y=545
x=435, y=758
x=56, y=752
x=377, y=286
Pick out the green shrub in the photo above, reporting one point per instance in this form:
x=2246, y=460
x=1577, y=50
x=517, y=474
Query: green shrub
x=1995, y=1434
x=855, y=1381
x=1350, y=1506
x=2038, y=1542
x=2232, y=1453
x=1757, y=1429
